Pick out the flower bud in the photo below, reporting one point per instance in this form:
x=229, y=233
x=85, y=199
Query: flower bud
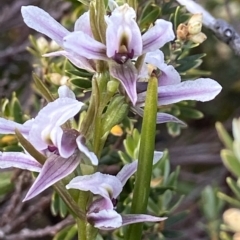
x=182, y=32
x=195, y=24
x=231, y=218
x=197, y=38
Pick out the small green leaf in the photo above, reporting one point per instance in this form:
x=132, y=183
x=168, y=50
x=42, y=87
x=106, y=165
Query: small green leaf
x=16, y=110
x=234, y=187
x=190, y=113
x=42, y=88
x=173, y=129
x=82, y=83
x=228, y=199
x=230, y=162
x=224, y=136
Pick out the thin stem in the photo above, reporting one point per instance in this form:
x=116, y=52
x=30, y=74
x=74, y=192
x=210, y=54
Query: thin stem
x=144, y=171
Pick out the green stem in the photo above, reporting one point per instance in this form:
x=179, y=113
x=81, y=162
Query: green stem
x=82, y=223
x=144, y=171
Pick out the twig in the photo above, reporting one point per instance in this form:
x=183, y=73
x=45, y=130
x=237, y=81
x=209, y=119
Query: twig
x=47, y=231
x=223, y=30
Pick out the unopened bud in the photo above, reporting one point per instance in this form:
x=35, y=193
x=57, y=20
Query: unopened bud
x=195, y=24
x=112, y=86
x=231, y=218
x=197, y=38
x=182, y=32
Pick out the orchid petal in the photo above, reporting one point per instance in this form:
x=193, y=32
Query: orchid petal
x=157, y=36
x=137, y=218
x=202, y=89
x=75, y=59
x=8, y=127
x=129, y=169
x=42, y=22
x=82, y=147
x=79, y=42
x=54, y=169
x=122, y=26
x=64, y=91
x=161, y=117
x=105, y=185
x=165, y=117
x=127, y=75
x=19, y=160
x=66, y=143
x=54, y=114
x=83, y=24
x=100, y=203
x=105, y=219
x=168, y=73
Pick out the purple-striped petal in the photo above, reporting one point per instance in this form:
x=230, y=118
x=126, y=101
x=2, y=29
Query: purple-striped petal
x=105, y=219
x=67, y=142
x=127, y=75
x=19, y=160
x=83, y=148
x=83, y=24
x=75, y=59
x=157, y=36
x=202, y=89
x=8, y=126
x=105, y=185
x=42, y=22
x=165, y=117
x=137, y=218
x=129, y=169
x=82, y=44
x=51, y=116
x=123, y=31
x=54, y=169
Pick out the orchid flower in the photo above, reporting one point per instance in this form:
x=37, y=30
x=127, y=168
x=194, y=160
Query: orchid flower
x=101, y=212
x=47, y=135
x=123, y=41
x=171, y=89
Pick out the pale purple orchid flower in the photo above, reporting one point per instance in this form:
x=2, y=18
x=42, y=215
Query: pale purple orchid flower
x=101, y=212
x=123, y=43
x=61, y=146
x=172, y=90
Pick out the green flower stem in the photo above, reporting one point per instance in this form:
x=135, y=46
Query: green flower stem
x=82, y=223
x=144, y=170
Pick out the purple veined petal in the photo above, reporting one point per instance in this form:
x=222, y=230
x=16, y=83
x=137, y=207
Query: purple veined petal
x=123, y=29
x=100, y=203
x=129, y=169
x=165, y=117
x=66, y=142
x=75, y=59
x=105, y=185
x=83, y=148
x=168, y=73
x=64, y=91
x=157, y=36
x=54, y=169
x=19, y=160
x=53, y=114
x=83, y=24
x=105, y=219
x=202, y=89
x=81, y=43
x=137, y=218
x=127, y=75
x=8, y=127
x=42, y=22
